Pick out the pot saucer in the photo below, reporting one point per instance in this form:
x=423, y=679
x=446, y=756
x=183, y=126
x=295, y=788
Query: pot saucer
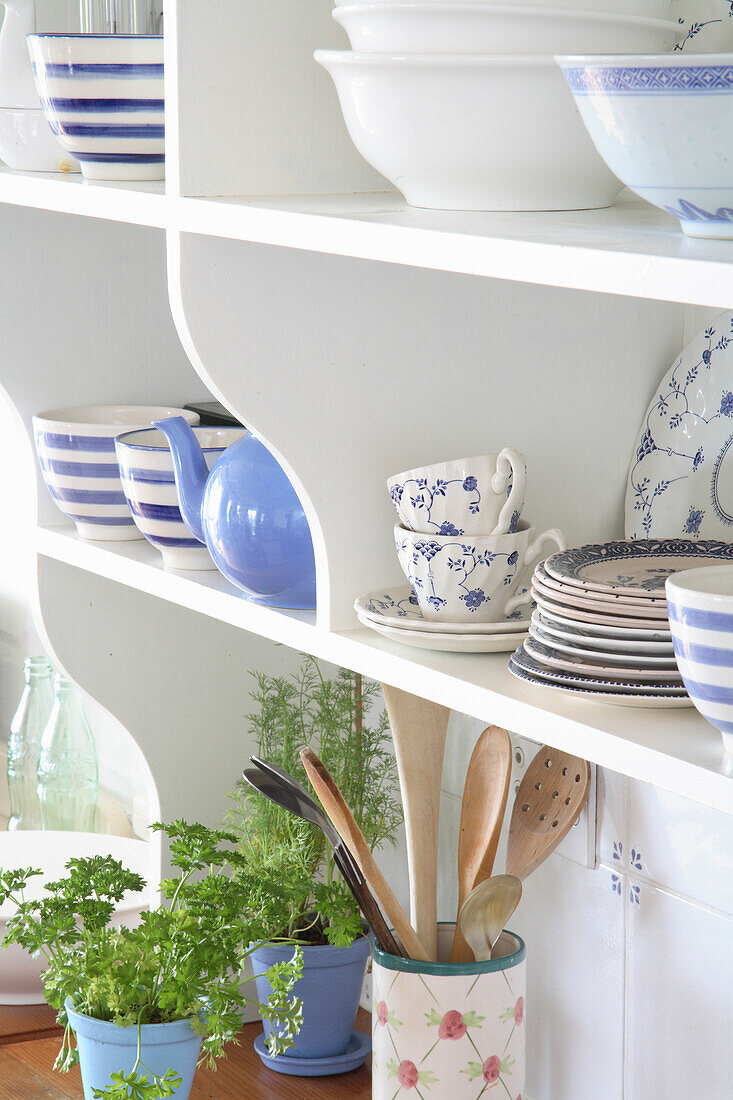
x=357, y=1049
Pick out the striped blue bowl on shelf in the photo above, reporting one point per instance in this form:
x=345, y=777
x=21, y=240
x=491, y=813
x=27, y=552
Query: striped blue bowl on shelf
x=700, y=604
x=104, y=100
x=148, y=482
x=76, y=453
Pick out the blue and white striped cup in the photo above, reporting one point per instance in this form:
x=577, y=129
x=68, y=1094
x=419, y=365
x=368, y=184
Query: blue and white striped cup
x=700, y=603
x=76, y=452
x=104, y=99
x=146, y=469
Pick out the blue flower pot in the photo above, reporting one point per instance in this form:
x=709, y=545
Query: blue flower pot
x=330, y=988
x=105, y=1048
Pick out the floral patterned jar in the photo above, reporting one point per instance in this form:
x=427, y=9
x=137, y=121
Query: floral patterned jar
x=449, y=1031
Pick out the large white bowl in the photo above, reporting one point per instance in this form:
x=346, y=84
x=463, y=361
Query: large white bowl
x=470, y=132
x=653, y=9
x=428, y=26
x=103, y=97
x=20, y=975
x=76, y=452
x=700, y=603
x=27, y=143
x=664, y=125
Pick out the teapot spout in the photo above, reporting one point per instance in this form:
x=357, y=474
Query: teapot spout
x=190, y=471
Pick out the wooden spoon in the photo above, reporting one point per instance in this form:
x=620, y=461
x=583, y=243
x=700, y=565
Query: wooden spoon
x=486, y=912
x=484, y=801
x=343, y=821
x=549, y=801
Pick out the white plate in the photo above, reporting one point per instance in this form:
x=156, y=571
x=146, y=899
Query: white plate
x=577, y=679
x=602, y=630
x=448, y=643
x=618, y=656
x=604, y=607
x=681, y=475
x=545, y=654
x=634, y=568
x=596, y=619
x=617, y=698
x=398, y=607
x=575, y=591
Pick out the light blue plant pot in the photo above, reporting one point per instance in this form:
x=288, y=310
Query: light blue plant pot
x=105, y=1048
x=329, y=988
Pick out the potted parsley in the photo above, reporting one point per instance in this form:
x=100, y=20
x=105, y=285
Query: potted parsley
x=147, y=1003
x=312, y=907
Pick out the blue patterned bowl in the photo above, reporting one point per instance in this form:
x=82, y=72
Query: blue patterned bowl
x=664, y=125
x=700, y=603
x=149, y=484
x=103, y=97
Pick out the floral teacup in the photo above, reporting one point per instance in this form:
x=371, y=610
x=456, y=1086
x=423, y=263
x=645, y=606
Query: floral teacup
x=468, y=496
x=458, y=579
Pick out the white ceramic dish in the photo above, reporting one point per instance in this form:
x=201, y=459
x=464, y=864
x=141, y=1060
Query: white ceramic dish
x=649, y=701
x=430, y=27
x=76, y=453
x=701, y=617
x=618, y=656
x=612, y=631
x=465, y=496
x=546, y=655
x=633, y=567
x=663, y=123
x=398, y=608
x=461, y=578
x=705, y=26
x=681, y=475
x=594, y=683
x=596, y=617
x=27, y=143
x=448, y=643
x=619, y=598
x=104, y=99
x=470, y=132
x=20, y=975
x=572, y=603
x=650, y=9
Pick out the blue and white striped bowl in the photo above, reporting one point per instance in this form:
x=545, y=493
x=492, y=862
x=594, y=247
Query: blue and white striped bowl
x=76, y=452
x=103, y=97
x=700, y=603
x=146, y=469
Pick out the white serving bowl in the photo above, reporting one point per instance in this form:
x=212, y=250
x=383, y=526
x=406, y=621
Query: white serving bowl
x=430, y=27
x=651, y=9
x=103, y=97
x=700, y=603
x=20, y=974
x=470, y=132
x=146, y=470
x=27, y=143
x=76, y=452
x=664, y=125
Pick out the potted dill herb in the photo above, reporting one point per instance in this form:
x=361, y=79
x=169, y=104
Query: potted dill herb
x=311, y=906
x=147, y=1003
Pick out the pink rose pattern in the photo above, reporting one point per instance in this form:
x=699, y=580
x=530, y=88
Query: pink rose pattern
x=407, y=1075
x=382, y=1013
x=519, y=1011
x=452, y=1026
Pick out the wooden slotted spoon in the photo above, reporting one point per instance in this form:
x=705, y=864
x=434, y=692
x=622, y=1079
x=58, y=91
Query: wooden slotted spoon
x=549, y=801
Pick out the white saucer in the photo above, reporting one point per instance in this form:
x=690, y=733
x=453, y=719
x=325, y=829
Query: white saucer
x=448, y=643
x=398, y=608
x=662, y=650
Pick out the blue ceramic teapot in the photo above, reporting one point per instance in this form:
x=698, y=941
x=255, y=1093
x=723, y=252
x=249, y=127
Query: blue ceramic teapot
x=248, y=514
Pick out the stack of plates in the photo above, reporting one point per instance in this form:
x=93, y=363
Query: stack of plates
x=600, y=625
x=395, y=614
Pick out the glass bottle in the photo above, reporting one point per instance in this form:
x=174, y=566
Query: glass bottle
x=68, y=776
x=24, y=744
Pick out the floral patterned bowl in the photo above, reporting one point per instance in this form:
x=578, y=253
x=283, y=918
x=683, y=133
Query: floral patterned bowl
x=459, y=579
x=468, y=496
x=664, y=125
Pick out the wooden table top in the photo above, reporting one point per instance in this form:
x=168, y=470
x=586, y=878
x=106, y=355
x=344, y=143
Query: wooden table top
x=29, y=1042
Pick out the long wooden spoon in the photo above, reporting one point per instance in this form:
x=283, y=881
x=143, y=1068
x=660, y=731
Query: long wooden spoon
x=343, y=821
x=484, y=801
x=486, y=912
x=549, y=801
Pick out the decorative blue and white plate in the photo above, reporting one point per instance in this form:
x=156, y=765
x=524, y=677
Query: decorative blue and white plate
x=398, y=608
x=616, y=698
x=529, y=663
x=637, y=568
x=681, y=475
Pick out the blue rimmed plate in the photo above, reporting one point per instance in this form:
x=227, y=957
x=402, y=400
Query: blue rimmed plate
x=398, y=608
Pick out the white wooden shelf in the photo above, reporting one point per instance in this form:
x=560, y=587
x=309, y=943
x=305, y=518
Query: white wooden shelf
x=677, y=749
x=630, y=249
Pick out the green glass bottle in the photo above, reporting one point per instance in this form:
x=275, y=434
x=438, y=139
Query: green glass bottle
x=24, y=744
x=68, y=774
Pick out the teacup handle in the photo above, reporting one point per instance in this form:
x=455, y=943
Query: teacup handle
x=531, y=554
x=509, y=464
